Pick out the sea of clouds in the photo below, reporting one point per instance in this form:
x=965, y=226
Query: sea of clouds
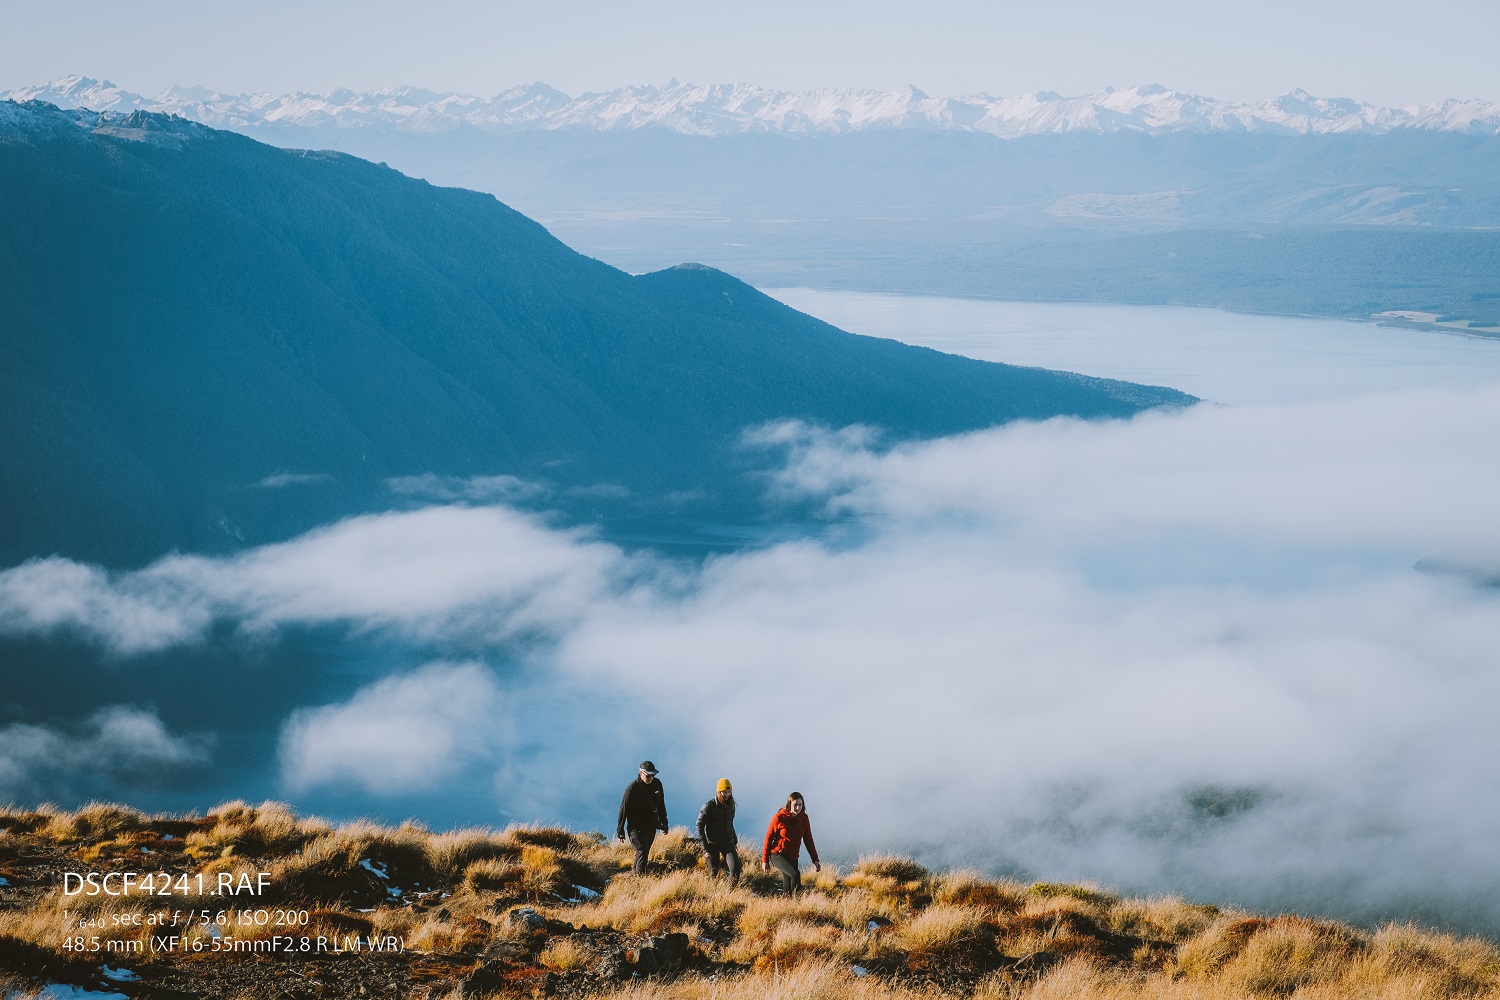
x=1190, y=652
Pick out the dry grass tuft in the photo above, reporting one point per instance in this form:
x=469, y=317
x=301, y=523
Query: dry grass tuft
x=887, y=875
x=941, y=927
x=1208, y=952
x=781, y=932
x=656, y=905
x=553, y=838
x=1455, y=966
x=814, y=980
x=1290, y=952
x=95, y=821
x=968, y=888
x=564, y=954
x=453, y=853
x=674, y=851
x=1163, y=919
x=494, y=875
x=268, y=830
x=762, y=916
x=891, y=867
x=1088, y=893
x=27, y=821
x=1074, y=979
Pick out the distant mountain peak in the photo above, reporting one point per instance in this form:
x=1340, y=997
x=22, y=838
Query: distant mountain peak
x=734, y=108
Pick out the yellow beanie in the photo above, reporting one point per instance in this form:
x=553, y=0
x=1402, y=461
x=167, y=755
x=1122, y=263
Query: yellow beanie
x=725, y=786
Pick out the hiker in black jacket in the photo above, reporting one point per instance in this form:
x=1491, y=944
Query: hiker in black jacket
x=716, y=832
x=643, y=811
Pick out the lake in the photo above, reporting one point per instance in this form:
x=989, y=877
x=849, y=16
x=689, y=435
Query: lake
x=1234, y=358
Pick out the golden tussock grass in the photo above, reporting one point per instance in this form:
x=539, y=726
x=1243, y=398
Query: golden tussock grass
x=970, y=888
x=1163, y=918
x=564, y=954
x=919, y=933
x=1289, y=952
x=1086, y=892
x=1460, y=966
x=1088, y=979
x=887, y=875
x=268, y=830
x=43, y=925
x=813, y=980
x=95, y=821
x=810, y=927
x=640, y=905
x=940, y=927
x=324, y=861
x=453, y=853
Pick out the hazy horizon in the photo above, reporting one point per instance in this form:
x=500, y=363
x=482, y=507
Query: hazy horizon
x=1390, y=53
x=677, y=80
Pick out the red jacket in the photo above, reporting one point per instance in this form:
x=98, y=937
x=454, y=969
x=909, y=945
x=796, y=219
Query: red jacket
x=785, y=836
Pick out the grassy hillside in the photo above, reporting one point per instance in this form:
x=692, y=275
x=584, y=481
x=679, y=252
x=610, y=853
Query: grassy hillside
x=531, y=911
x=211, y=342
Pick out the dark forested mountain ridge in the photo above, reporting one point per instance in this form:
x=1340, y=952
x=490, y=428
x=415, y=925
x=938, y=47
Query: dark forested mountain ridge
x=206, y=341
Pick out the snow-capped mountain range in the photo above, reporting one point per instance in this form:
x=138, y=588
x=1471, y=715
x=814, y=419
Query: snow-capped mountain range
x=728, y=109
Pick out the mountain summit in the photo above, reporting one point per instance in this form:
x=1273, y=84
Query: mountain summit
x=212, y=342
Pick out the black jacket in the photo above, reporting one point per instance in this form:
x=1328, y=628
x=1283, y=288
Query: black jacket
x=716, y=823
x=644, y=807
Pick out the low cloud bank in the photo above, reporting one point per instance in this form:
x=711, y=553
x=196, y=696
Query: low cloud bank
x=119, y=746
x=399, y=733
x=1186, y=652
x=485, y=573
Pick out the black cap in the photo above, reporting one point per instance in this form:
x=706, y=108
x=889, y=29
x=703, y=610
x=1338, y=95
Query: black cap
x=648, y=767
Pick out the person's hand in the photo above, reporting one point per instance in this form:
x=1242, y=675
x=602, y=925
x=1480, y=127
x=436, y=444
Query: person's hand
x=620, y=837
x=662, y=829
x=764, y=867
x=817, y=867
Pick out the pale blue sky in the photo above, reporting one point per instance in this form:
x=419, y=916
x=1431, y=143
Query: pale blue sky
x=1385, y=51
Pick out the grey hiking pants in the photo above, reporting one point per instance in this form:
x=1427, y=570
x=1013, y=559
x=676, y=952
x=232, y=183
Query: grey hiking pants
x=791, y=878
x=722, y=859
x=641, y=840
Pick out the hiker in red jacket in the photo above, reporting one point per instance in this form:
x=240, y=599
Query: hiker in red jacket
x=788, y=829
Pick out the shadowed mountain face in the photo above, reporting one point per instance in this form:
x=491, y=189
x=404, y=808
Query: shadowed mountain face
x=210, y=342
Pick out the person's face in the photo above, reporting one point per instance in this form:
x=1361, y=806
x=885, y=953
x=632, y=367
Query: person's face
x=797, y=806
x=724, y=795
x=646, y=776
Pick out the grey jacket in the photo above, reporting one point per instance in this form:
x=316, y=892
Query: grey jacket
x=716, y=823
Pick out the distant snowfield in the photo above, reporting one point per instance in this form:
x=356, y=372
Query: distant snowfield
x=1233, y=358
x=731, y=109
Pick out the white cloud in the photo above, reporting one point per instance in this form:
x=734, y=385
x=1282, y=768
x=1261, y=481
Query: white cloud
x=278, y=480
x=397, y=734
x=471, y=489
x=1398, y=469
x=130, y=615
x=1187, y=651
x=435, y=571
x=117, y=744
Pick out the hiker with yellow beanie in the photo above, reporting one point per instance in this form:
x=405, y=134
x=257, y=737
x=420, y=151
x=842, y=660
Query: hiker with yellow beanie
x=716, y=832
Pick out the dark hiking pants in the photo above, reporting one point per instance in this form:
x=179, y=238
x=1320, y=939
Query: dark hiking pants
x=791, y=878
x=722, y=859
x=641, y=840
